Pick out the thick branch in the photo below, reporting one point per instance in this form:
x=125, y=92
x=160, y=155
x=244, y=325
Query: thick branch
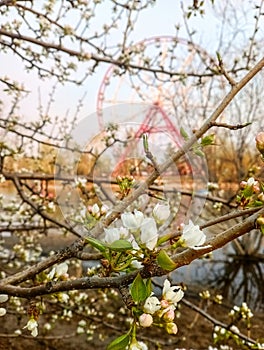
x=181, y=259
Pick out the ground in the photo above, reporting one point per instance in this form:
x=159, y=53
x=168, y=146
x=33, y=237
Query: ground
x=194, y=332
x=111, y=320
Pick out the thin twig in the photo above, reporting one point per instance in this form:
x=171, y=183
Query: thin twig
x=216, y=322
x=231, y=127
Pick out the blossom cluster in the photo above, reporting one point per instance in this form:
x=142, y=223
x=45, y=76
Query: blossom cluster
x=162, y=311
x=90, y=215
x=251, y=194
x=140, y=230
x=243, y=311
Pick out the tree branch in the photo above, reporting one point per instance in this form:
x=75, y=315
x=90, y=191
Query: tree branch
x=181, y=259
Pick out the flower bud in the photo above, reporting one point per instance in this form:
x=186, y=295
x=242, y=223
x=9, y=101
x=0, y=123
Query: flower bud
x=260, y=142
x=145, y=320
x=161, y=212
x=164, y=303
x=169, y=316
x=171, y=328
x=260, y=221
x=261, y=197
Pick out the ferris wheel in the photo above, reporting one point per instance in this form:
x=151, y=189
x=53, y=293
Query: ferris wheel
x=168, y=84
x=169, y=81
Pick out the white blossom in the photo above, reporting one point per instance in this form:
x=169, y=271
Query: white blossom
x=63, y=297
x=192, y=235
x=124, y=233
x=51, y=207
x=3, y=298
x=161, y=212
x=2, y=311
x=152, y=304
x=132, y=221
x=95, y=209
x=172, y=294
x=136, y=264
x=234, y=329
x=251, y=182
x=80, y=330
x=79, y=181
x=61, y=269
x=111, y=235
x=58, y=271
x=149, y=233
x=32, y=326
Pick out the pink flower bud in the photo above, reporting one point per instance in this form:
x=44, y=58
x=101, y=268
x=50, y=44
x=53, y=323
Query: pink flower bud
x=169, y=316
x=260, y=142
x=256, y=188
x=145, y=320
x=164, y=303
x=243, y=184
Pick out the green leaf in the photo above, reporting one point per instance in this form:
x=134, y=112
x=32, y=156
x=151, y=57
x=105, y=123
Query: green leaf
x=199, y=152
x=120, y=245
x=184, y=134
x=165, y=261
x=208, y=140
x=218, y=55
x=138, y=289
x=96, y=244
x=119, y=343
x=148, y=287
x=248, y=191
x=145, y=143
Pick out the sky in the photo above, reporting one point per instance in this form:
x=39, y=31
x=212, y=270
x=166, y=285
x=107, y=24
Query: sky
x=156, y=21
x=159, y=20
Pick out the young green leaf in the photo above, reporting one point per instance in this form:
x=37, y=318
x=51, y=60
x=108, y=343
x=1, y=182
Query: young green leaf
x=208, y=140
x=120, y=245
x=184, y=134
x=119, y=343
x=96, y=244
x=248, y=191
x=165, y=261
x=199, y=152
x=145, y=143
x=138, y=289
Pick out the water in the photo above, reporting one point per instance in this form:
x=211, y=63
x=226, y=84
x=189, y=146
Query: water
x=238, y=277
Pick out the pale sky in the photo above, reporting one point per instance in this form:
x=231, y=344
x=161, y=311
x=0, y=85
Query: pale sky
x=156, y=21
